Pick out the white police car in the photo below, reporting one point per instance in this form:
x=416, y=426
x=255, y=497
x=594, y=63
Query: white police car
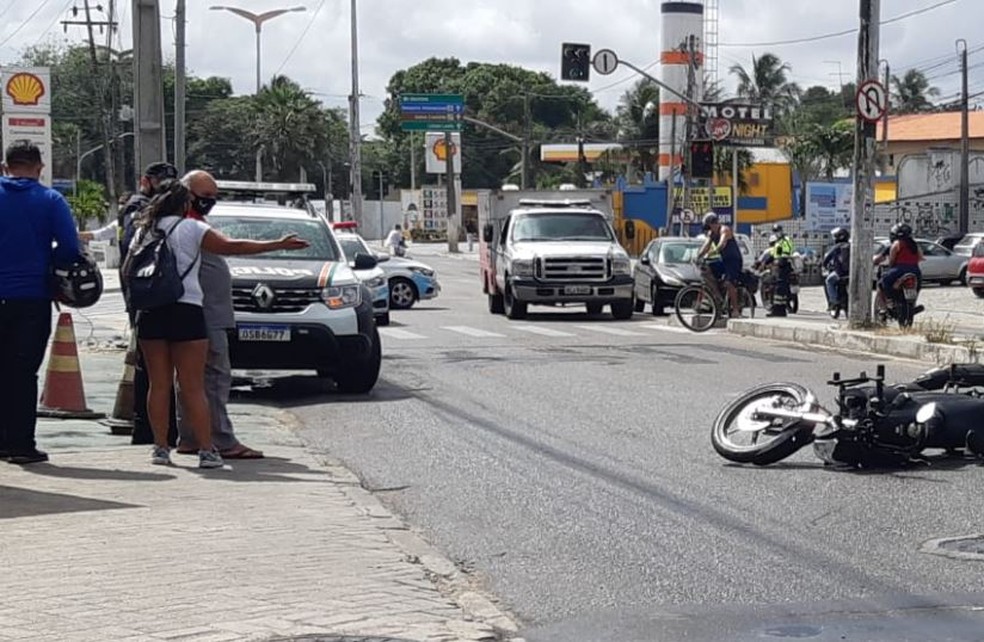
x=375, y=279
x=302, y=309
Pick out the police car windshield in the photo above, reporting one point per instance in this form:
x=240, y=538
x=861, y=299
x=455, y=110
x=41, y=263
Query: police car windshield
x=321, y=247
x=561, y=227
x=352, y=245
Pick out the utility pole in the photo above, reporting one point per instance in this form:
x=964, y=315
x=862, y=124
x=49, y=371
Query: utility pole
x=101, y=87
x=862, y=219
x=670, y=188
x=888, y=107
x=355, y=130
x=413, y=162
x=179, y=86
x=451, y=198
x=382, y=223
x=582, y=161
x=691, y=82
x=527, y=128
x=964, y=141
x=148, y=88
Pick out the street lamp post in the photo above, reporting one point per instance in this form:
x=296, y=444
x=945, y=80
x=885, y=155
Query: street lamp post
x=257, y=19
x=382, y=232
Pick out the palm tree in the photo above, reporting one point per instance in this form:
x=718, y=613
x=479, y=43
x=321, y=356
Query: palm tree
x=290, y=126
x=912, y=93
x=637, y=117
x=832, y=146
x=767, y=82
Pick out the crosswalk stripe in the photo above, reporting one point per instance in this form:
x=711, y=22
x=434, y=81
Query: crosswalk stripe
x=604, y=329
x=396, y=333
x=473, y=332
x=545, y=332
x=668, y=328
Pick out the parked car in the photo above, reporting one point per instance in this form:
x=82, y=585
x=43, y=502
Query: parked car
x=975, y=271
x=408, y=280
x=374, y=279
x=940, y=265
x=967, y=244
x=664, y=267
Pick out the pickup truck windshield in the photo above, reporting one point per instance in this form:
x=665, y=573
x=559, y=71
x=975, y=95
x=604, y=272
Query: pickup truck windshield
x=561, y=226
x=271, y=229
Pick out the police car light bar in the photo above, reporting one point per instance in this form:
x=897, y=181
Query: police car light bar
x=344, y=225
x=567, y=202
x=247, y=186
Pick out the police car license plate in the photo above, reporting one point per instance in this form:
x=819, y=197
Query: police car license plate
x=275, y=333
x=577, y=289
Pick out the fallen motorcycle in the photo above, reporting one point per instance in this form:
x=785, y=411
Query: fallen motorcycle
x=873, y=425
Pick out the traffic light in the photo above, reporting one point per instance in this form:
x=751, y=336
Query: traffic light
x=702, y=159
x=575, y=62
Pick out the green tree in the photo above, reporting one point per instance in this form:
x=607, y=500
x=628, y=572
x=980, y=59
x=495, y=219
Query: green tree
x=637, y=118
x=912, y=93
x=767, y=81
x=88, y=202
x=832, y=145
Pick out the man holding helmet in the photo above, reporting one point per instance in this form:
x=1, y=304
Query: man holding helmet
x=721, y=242
x=32, y=219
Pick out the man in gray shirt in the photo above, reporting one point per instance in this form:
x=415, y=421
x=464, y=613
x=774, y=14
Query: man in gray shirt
x=216, y=282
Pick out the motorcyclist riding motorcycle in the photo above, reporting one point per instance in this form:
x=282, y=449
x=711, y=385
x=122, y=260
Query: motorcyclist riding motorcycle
x=782, y=253
x=903, y=257
x=837, y=262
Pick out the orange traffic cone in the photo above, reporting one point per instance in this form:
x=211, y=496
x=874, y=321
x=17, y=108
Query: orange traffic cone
x=63, y=396
x=121, y=421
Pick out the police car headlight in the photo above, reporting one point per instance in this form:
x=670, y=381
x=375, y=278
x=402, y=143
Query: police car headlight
x=621, y=266
x=521, y=267
x=377, y=282
x=422, y=270
x=346, y=296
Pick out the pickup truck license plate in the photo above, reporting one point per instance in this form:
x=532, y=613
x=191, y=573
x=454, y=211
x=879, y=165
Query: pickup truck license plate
x=276, y=333
x=910, y=294
x=577, y=289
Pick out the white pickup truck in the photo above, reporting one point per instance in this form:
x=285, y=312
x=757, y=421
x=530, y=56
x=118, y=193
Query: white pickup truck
x=545, y=250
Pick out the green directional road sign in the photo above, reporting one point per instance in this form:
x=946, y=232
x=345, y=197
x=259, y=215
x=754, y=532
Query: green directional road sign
x=432, y=112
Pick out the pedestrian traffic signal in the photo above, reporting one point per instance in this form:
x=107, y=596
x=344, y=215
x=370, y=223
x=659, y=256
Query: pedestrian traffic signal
x=575, y=62
x=702, y=159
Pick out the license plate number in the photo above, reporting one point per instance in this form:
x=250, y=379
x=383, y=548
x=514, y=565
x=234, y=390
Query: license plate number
x=274, y=333
x=910, y=294
x=577, y=289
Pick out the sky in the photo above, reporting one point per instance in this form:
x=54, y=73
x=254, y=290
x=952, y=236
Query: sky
x=314, y=46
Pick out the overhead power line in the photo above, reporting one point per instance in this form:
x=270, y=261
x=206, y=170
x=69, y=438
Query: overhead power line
x=24, y=24
x=836, y=34
x=300, y=38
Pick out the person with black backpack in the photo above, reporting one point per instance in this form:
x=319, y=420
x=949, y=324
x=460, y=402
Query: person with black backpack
x=837, y=262
x=161, y=273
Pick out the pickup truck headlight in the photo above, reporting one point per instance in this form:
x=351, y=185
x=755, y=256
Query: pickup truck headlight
x=423, y=271
x=376, y=282
x=521, y=267
x=346, y=296
x=621, y=266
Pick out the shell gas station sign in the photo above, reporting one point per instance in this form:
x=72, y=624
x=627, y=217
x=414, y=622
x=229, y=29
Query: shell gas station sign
x=25, y=103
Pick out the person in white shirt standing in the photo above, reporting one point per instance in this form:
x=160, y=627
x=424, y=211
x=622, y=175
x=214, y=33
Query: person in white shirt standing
x=395, y=241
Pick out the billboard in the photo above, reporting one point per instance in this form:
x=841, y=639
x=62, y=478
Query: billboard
x=828, y=205
x=738, y=124
x=26, y=110
x=702, y=201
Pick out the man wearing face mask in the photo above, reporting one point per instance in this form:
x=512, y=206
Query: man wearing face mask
x=216, y=282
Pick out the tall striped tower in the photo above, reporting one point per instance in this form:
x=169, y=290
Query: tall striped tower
x=680, y=21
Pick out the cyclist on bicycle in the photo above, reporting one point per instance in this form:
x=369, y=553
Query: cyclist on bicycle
x=721, y=242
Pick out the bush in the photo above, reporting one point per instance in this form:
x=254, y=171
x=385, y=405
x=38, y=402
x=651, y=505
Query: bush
x=89, y=202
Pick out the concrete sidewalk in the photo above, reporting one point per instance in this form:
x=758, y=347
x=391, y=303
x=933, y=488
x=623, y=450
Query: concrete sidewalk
x=100, y=545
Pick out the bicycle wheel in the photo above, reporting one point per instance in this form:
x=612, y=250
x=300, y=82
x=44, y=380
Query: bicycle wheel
x=696, y=308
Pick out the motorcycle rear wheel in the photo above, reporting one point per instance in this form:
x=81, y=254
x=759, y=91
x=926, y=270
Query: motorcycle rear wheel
x=781, y=437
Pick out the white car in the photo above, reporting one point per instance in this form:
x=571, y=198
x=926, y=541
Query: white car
x=374, y=279
x=409, y=280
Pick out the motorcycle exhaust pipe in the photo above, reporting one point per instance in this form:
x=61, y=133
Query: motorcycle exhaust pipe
x=779, y=413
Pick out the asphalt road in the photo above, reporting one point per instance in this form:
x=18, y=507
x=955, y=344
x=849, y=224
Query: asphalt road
x=565, y=462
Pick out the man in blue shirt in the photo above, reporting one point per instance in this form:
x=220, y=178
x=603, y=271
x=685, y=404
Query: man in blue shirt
x=33, y=218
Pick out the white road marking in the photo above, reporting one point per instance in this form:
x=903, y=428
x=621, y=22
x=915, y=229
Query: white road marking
x=670, y=328
x=473, y=332
x=545, y=332
x=396, y=333
x=605, y=329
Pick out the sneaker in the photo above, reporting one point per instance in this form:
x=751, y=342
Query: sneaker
x=31, y=457
x=161, y=456
x=210, y=459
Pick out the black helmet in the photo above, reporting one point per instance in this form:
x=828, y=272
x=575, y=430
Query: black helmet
x=777, y=228
x=710, y=218
x=78, y=285
x=903, y=231
x=840, y=235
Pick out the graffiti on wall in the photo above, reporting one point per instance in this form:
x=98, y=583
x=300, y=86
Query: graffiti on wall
x=928, y=220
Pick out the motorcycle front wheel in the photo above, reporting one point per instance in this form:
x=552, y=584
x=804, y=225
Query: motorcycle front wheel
x=741, y=435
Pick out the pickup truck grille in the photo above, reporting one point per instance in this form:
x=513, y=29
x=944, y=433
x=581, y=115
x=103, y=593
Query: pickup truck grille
x=283, y=300
x=573, y=268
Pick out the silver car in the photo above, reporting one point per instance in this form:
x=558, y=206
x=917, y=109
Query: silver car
x=939, y=264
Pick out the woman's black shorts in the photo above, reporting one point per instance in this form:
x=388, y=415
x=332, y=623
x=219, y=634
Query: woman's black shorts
x=173, y=323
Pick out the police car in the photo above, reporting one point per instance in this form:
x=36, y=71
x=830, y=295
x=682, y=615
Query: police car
x=409, y=280
x=297, y=310
x=375, y=279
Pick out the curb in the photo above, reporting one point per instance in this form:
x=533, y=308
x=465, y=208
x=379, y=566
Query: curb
x=855, y=341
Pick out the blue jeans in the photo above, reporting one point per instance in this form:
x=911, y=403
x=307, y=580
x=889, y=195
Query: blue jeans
x=25, y=327
x=831, y=283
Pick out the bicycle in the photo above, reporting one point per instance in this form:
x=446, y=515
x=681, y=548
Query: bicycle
x=699, y=306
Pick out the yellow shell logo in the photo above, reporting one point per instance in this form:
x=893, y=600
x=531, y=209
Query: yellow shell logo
x=441, y=151
x=25, y=89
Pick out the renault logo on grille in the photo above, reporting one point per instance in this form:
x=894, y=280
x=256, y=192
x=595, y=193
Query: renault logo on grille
x=263, y=296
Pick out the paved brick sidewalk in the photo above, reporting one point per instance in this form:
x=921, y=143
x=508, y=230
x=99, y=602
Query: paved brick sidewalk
x=100, y=545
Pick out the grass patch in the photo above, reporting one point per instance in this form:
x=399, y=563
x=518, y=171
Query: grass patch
x=936, y=331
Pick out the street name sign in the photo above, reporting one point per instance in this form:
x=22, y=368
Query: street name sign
x=432, y=112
